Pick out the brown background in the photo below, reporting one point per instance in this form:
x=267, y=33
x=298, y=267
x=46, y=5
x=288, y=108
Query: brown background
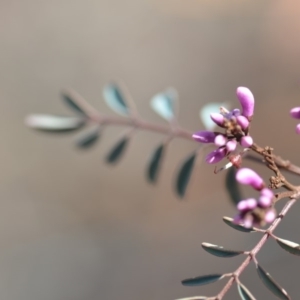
x=72, y=227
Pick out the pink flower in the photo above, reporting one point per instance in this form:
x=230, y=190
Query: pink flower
x=246, y=99
x=204, y=136
x=216, y=156
x=295, y=113
x=249, y=177
x=252, y=211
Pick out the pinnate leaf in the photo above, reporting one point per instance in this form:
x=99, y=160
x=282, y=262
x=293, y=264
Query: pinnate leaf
x=184, y=175
x=53, y=123
x=244, y=292
x=164, y=104
x=155, y=163
x=115, y=99
x=273, y=286
x=117, y=151
x=220, y=251
x=289, y=246
x=202, y=280
x=71, y=102
x=229, y=222
x=89, y=138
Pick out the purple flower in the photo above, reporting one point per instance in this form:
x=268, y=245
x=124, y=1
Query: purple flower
x=236, y=125
x=218, y=119
x=216, y=156
x=270, y=216
x=204, y=136
x=246, y=141
x=249, y=177
x=252, y=211
x=295, y=113
x=243, y=122
x=220, y=140
x=231, y=145
x=246, y=99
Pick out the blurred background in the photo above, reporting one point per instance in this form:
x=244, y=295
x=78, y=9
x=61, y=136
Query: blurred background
x=72, y=227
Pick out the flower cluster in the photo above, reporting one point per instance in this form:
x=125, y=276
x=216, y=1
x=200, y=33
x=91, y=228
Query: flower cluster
x=253, y=211
x=236, y=124
x=295, y=113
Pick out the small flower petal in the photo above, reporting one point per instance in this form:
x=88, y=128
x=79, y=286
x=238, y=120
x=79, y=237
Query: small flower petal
x=204, y=136
x=266, y=192
x=242, y=205
x=270, y=216
x=236, y=112
x=249, y=177
x=220, y=140
x=216, y=156
x=246, y=141
x=264, y=201
x=298, y=129
x=217, y=118
x=251, y=203
x=246, y=99
x=243, y=122
x=295, y=112
x=248, y=221
x=231, y=145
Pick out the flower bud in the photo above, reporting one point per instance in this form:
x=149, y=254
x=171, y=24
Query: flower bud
x=220, y=140
x=266, y=192
x=204, y=136
x=231, y=145
x=216, y=156
x=246, y=99
x=270, y=216
x=264, y=201
x=295, y=112
x=217, y=118
x=243, y=122
x=242, y=205
x=248, y=221
x=246, y=141
x=249, y=177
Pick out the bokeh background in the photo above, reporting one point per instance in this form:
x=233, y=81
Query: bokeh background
x=72, y=227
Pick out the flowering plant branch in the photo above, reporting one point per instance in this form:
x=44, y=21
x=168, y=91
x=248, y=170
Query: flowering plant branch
x=235, y=144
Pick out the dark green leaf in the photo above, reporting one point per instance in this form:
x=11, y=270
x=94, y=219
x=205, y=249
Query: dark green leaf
x=289, y=246
x=184, y=175
x=244, y=292
x=220, y=251
x=52, y=123
x=229, y=222
x=115, y=99
x=271, y=284
x=117, y=151
x=232, y=186
x=155, y=162
x=201, y=280
x=68, y=99
x=88, y=139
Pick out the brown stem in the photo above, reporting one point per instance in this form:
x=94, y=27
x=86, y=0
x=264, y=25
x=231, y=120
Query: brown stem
x=133, y=121
x=255, y=250
x=141, y=124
